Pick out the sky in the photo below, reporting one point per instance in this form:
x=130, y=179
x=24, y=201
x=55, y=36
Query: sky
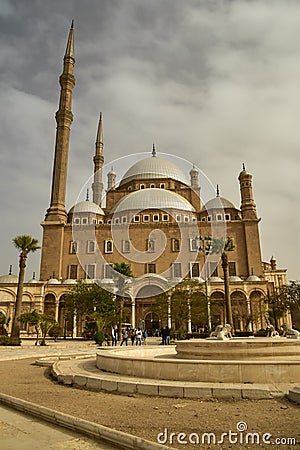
x=214, y=82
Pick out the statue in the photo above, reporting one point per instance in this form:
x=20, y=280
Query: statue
x=271, y=332
x=221, y=332
x=289, y=331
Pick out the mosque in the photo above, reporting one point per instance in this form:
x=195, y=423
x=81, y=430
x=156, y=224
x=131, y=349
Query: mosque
x=154, y=220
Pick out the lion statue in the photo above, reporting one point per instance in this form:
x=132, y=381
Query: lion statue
x=271, y=332
x=222, y=332
x=289, y=331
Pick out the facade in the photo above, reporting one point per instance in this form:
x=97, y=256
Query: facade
x=154, y=220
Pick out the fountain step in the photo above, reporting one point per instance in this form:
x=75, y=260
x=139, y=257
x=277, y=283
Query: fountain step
x=294, y=394
x=83, y=373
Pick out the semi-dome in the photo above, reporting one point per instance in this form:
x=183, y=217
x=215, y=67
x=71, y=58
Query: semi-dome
x=70, y=281
x=234, y=278
x=253, y=278
x=152, y=199
x=32, y=281
x=86, y=207
x=154, y=168
x=219, y=203
x=53, y=281
x=9, y=278
x=215, y=280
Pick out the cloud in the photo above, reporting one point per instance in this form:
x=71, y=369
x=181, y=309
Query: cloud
x=215, y=81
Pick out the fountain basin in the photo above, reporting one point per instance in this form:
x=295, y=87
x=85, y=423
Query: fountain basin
x=257, y=360
x=241, y=349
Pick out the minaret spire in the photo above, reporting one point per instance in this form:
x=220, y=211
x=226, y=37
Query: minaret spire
x=98, y=159
x=248, y=206
x=64, y=118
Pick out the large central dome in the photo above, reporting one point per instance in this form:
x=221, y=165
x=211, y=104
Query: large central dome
x=152, y=199
x=154, y=168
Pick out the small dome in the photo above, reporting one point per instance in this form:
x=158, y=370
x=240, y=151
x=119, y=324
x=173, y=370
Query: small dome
x=8, y=279
x=32, y=281
x=86, y=207
x=219, y=203
x=53, y=281
x=253, y=278
x=153, y=198
x=69, y=281
x=234, y=278
x=215, y=280
x=154, y=168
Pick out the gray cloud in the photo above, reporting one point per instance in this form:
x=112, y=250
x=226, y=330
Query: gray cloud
x=217, y=82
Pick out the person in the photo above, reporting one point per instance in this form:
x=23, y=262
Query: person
x=145, y=335
x=132, y=336
x=124, y=337
x=168, y=335
x=163, y=336
x=114, y=335
x=138, y=337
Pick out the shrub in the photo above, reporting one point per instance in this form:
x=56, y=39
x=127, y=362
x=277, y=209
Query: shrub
x=99, y=337
x=243, y=333
x=4, y=340
x=261, y=333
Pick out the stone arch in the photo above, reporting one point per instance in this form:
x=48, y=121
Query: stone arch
x=62, y=321
x=50, y=305
x=240, y=312
x=217, y=308
x=258, y=308
x=146, y=297
x=152, y=322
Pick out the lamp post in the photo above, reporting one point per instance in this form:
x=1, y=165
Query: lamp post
x=205, y=247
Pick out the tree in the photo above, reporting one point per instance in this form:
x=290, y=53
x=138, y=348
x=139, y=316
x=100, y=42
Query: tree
x=188, y=302
x=41, y=322
x=279, y=302
x=25, y=244
x=291, y=292
x=222, y=246
x=124, y=270
x=92, y=303
x=4, y=321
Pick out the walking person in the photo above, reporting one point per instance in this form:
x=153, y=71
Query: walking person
x=138, y=337
x=168, y=335
x=124, y=337
x=145, y=335
x=114, y=335
x=132, y=336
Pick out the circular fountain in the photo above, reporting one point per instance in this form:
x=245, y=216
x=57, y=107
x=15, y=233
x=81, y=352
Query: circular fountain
x=237, y=360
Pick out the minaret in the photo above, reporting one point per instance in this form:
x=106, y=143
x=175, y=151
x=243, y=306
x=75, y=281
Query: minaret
x=64, y=118
x=97, y=185
x=248, y=206
x=194, y=174
x=111, y=180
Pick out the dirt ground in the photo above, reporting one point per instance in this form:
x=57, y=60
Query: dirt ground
x=149, y=416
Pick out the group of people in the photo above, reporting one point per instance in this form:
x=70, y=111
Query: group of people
x=137, y=336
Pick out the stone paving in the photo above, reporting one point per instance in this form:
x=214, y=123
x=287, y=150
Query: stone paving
x=20, y=430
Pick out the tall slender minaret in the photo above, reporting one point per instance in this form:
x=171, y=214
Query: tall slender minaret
x=97, y=185
x=248, y=206
x=64, y=118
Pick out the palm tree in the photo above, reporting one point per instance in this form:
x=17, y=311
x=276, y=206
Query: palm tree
x=25, y=244
x=124, y=270
x=222, y=245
